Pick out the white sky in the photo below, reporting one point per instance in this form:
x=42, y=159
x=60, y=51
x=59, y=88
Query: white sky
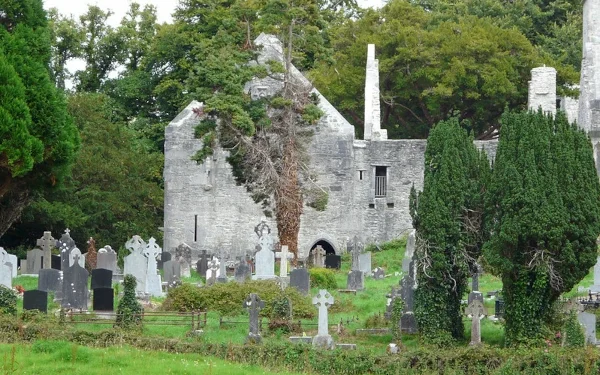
x=164, y=7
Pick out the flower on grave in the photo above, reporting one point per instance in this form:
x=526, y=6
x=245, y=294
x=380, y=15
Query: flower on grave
x=20, y=290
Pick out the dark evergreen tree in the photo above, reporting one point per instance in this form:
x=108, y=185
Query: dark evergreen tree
x=544, y=205
x=447, y=215
x=36, y=119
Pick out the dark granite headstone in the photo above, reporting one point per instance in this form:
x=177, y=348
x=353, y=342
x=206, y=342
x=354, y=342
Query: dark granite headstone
x=75, y=287
x=242, y=272
x=333, y=261
x=104, y=299
x=202, y=264
x=101, y=278
x=300, y=279
x=55, y=262
x=356, y=280
x=49, y=280
x=164, y=257
x=35, y=300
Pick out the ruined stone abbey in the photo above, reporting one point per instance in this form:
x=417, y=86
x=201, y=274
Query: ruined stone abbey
x=368, y=180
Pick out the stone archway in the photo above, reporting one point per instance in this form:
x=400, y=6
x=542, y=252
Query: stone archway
x=326, y=245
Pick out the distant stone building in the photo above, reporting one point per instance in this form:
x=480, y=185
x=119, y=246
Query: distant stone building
x=368, y=180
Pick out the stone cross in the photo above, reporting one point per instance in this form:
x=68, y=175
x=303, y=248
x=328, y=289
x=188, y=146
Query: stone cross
x=153, y=279
x=323, y=300
x=283, y=255
x=135, y=245
x=91, y=256
x=319, y=257
x=253, y=304
x=46, y=243
x=475, y=309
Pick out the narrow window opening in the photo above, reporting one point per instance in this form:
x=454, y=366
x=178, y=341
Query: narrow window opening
x=195, y=228
x=380, y=182
x=360, y=175
x=371, y=205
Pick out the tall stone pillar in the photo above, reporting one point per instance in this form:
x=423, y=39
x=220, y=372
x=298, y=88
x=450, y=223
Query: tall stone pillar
x=589, y=99
x=542, y=90
x=372, y=106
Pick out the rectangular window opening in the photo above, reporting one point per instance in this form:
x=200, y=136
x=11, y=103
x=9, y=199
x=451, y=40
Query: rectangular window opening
x=371, y=205
x=195, y=228
x=380, y=182
x=390, y=205
x=361, y=175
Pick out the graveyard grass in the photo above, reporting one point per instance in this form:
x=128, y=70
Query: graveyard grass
x=60, y=357
x=364, y=309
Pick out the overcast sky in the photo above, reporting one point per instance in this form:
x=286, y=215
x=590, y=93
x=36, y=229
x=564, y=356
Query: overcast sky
x=119, y=7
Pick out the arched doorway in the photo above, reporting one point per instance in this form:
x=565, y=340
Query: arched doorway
x=328, y=247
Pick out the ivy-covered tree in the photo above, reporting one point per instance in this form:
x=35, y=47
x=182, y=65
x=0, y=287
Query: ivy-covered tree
x=38, y=140
x=544, y=209
x=448, y=218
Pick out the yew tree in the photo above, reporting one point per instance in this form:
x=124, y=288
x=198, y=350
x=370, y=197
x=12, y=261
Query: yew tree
x=543, y=203
x=448, y=218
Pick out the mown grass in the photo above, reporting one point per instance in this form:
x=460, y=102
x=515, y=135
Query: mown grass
x=59, y=357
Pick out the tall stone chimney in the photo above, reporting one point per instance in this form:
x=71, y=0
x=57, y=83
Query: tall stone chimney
x=542, y=90
x=372, y=107
x=589, y=98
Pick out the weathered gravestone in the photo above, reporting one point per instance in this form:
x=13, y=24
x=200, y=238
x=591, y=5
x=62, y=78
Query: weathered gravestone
x=65, y=244
x=284, y=256
x=253, y=304
x=164, y=257
x=35, y=300
x=13, y=260
x=136, y=263
x=47, y=243
x=300, y=279
x=5, y=269
x=318, y=257
x=104, y=299
x=333, y=261
x=407, y=291
x=202, y=264
x=588, y=321
x=75, y=287
x=322, y=301
x=107, y=259
x=49, y=280
x=172, y=272
x=184, y=266
x=76, y=256
x=264, y=258
x=101, y=278
x=364, y=263
x=55, y=262
x=476, y=310
x=91, y=255
x=379, y=273
x=243, y=271
x=356, y=277
x=34, y=262
x=410, y=250
x=222, y=268
x=153, y=279
x=184, y=251
x=212, y=272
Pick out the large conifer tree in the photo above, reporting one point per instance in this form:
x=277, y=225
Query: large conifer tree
x=544, y=204
x=448, y=217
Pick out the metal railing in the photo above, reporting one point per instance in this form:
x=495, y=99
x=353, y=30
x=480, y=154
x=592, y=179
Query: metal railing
x=380, y=186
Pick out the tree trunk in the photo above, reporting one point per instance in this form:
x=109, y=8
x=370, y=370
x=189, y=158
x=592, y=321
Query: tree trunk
x=12, y=205
x=288, y=201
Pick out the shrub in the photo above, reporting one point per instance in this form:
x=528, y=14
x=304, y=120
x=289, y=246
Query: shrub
x=129, y=311
x=227, y=299
x=574, y=334
x=322, y=278
x=8, y=301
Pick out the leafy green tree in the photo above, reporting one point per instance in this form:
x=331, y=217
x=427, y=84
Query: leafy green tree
x=430, y=69
x=115, y=188
x=544, y=207
x=66, y=41
x=39, y=141
x=448, y=218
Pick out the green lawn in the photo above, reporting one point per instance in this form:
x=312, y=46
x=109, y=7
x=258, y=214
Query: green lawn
x=58, y=357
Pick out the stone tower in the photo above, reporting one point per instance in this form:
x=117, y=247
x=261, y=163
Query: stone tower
x=373, y=129
x=542, y=90
x=589, y=99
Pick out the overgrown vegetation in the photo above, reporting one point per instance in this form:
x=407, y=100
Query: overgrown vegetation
x=322, y=278
x=227, y=299
x=8, y=301
x=129, y=311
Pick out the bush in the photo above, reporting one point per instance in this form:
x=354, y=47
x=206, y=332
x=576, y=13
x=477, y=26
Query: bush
x=227, y=299
x=8, y=301
x=322, y=278
x=574, y=334
x=129, y=311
